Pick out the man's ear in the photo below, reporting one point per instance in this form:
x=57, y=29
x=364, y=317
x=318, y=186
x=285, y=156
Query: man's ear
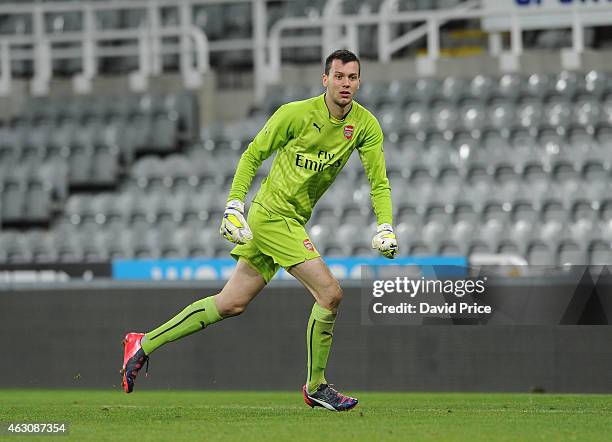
x=324, y=80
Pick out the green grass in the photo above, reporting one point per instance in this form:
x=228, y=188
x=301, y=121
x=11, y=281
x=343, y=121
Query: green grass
x=272, y=416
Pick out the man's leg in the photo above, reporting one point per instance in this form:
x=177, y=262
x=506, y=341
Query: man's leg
x=318, y=279
x=244, y=284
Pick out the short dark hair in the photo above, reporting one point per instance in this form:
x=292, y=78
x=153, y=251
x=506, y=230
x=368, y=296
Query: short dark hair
x=344, y=55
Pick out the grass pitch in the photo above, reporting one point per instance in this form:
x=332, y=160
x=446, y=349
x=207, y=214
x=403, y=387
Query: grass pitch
x=272, y=416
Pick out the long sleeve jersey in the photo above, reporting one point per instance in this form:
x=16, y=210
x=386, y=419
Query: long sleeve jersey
x=312, y=148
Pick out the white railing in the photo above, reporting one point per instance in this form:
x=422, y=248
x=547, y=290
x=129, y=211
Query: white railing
x=146, y=43
x=150, y=42
x=432, y=22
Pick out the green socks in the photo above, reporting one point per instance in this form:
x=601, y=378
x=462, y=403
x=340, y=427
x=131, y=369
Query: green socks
x=318, y=340
x=204, y=312
x=193, y=318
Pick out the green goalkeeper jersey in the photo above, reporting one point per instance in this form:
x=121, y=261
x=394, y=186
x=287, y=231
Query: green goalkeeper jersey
x=312, y=148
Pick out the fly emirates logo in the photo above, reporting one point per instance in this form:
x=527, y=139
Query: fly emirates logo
x=324, y=160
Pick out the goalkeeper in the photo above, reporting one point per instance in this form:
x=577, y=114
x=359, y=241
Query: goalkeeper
x=313, y=139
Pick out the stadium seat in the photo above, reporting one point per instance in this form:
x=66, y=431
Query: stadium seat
x=444, y=117
x=148, y=173
x=19, y=250
x=605, y=212
x=38, y=203
x=417, y=120
x=350, y=237
x=583, y=231
x=426, y=90
x=8, y=239
x=478, y=247
x=164, y=134
x=571, y=253
x=87, y=133
x=371, y=95
x=138, y=134
x=451, y=248
x=406, y=231
x=13, y=202
x=509, y=86
x=538, y=86
x=482, y=88
x=390, y=118
x=557, y=114
x=462, y=233
x=599, y=253
x=529, y=114
x=454, y=89
x=76, y=208
x=419, y=248
x=565, y=84
x=595, y=84
x=584, y=210
x=64, y=134
x=494, y=209
x=356, y=215
x=434, y=231
x=473, y=117
x=586, y=113
x=106, y=169
x=399, y=92
x=500, y=116
x=523, y=210
x=68, y=245
x=540, y=253
x=180, y=171
x=508, y=247
x=606, y=114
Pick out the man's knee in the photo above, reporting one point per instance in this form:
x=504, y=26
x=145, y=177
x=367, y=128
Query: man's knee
x=228, y=305
x=231, y=308
x=331, y=297
x=234, y=310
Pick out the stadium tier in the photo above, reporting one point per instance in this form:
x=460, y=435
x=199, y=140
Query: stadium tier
x=513, y=164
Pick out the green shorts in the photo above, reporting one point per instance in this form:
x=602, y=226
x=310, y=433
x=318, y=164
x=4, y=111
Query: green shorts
x=277, y=242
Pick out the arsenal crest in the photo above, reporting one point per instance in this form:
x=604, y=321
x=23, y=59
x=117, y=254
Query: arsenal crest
x=348, y=132
x=308, y=245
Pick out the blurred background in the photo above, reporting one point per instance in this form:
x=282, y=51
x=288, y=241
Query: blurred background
x=121, y=124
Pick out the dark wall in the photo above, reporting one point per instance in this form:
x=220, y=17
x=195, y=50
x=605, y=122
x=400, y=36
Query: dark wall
x=73, y=338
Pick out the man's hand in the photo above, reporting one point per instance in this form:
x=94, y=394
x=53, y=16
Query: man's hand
x=234, y=227
x=384, y=241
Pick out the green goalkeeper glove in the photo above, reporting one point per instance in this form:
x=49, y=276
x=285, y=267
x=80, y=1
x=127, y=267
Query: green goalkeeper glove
x=384, y=241
x=234, y=227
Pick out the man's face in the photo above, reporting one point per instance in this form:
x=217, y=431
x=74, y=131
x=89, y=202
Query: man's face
x=342, y=81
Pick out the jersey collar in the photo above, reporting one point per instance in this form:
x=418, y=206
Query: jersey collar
x=334, y=120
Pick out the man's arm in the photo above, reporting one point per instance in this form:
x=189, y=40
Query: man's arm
x=275, y=134
x=373, y=160
x=277, y=131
